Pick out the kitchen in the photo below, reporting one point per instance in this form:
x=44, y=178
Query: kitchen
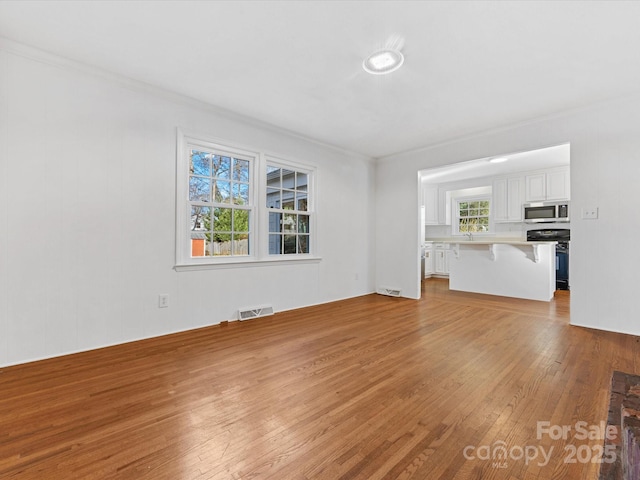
x=499, y=225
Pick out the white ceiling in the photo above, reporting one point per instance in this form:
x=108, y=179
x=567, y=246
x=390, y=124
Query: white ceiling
x=542, y=158
x=470, y=66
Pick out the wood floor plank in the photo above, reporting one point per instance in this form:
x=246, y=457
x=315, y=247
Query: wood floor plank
x=373, y=388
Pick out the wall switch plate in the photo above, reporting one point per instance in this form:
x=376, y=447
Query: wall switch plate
x=590, y=213
x=163, y=300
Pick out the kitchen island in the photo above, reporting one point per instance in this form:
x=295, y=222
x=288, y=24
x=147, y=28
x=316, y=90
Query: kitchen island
x=510, y=268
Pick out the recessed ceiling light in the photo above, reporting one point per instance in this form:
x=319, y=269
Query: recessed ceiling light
x=383, y=61
x=498, y=160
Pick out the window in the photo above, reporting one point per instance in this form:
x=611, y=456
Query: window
x=239, y=206
x=472, y=215
x=287, y=201
x=219, y=203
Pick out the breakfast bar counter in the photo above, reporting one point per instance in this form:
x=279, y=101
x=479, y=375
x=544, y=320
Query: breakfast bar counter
x=506, y=267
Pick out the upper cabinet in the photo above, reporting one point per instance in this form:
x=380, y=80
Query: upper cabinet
x=430, y=202
x=536, y=187
x=508, y=192
x=551, y=185
x=436, y=205
x=558, y=185
x=508, y=197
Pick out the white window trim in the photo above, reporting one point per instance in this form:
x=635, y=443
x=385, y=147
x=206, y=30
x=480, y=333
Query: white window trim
x=455, y=223
x=258, y=224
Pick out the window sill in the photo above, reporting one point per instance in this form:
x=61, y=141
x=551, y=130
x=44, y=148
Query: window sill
x=244, y=263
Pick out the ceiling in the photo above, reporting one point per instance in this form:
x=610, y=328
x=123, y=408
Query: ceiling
x=542, y=158
x=470, y=66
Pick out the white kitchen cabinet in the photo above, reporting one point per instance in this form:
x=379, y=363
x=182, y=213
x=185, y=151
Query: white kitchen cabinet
x=508, y=197
x=428, y=260
x=499, y=203
x=558, y=185
x=436, y=202
x=536, y=187
x=550, y=185
x=440, y=264
x=444, y=206
x=430, y=202
x=441, y=259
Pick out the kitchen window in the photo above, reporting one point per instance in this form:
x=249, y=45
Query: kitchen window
x=238, y=206
x=472, y=215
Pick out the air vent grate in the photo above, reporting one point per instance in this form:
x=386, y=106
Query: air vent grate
x=254, y=312
x=391, y=292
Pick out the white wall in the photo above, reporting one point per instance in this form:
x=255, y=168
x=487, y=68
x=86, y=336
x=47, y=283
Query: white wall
x=87, y=214
x=605, y=172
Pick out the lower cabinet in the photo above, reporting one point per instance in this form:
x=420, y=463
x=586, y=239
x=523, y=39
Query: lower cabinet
x=436, y=260
x=441, y=261
x=428, y=261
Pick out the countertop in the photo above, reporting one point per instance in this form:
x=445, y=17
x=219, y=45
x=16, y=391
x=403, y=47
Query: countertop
x=486, y=241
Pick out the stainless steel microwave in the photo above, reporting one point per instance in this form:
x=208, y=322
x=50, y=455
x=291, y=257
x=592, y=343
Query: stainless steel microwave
x=546, y=212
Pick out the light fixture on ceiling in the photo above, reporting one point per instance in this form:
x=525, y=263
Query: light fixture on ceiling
x=383, y=61
x=498, y=160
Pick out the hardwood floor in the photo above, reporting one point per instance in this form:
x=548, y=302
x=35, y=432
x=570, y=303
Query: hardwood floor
x=368, y=388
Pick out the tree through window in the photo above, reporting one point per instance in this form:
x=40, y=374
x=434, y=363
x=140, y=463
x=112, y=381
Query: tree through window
x=240, y=206
x=219, y=186
x=473, y=215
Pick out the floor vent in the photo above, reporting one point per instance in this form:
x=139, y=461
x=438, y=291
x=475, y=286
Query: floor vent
x=391, y=292
x=254, y=312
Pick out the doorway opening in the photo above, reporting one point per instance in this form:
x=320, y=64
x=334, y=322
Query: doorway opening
x=484, y=199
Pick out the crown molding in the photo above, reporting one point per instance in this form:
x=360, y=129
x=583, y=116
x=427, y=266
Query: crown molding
x=41, y=56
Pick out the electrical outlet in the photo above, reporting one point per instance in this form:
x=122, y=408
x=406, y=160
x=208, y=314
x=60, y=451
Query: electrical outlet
x=163, y=300
x=590, y=213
